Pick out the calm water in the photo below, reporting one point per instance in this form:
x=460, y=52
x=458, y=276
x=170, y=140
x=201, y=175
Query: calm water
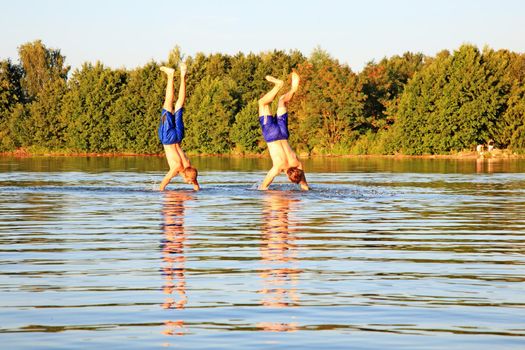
x=382, y=254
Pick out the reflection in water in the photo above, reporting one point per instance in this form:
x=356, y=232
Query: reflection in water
x=173, y=258
x=318, y=164
x=485, y=165
x=388, y=260
x=279, y=256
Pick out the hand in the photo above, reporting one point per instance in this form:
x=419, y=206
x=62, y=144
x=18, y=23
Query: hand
x=262, y=188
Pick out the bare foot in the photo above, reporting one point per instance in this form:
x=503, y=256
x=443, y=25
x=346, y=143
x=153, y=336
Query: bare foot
x=167, y=70
x=295, y=81
x=183, y=68
x=273, y=80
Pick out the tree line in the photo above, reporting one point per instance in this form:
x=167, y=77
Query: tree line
x=410, y=104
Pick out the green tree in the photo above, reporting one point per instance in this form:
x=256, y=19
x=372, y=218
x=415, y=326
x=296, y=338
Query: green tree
x=276, y=63
x=383, y=83
x=243, y=72
x=451, y=105
x=11, y=96
x=209, y=115
x=510, y=67
x=327, y=112
x=134, y=117
x=45, y=126
x=41, y=66
x=511, y=126
x=43, y=85
x=245, y=132
x=410, y=103
x=92, y=91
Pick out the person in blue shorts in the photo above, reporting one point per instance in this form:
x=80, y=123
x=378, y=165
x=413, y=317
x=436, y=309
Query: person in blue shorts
x=171, y=131
x=275, y=133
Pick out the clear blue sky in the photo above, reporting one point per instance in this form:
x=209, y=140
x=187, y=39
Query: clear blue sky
x=129, y=33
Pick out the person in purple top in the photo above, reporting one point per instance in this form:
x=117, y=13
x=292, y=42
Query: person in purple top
x=275, y=133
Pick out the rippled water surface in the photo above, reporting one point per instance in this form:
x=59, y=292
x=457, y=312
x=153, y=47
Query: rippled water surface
x=381, y=254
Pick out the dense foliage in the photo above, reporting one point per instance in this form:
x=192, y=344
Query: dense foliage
x=410, y=104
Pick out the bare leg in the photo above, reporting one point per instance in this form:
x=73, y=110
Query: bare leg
x=170, y=90
x=265, y=101
x=284, y=99
x=182, y=88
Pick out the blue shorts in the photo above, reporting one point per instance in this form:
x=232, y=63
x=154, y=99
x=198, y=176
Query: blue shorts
x=171, y=128
x=276, y=128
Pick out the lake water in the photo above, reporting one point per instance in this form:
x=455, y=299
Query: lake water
x=381, y=254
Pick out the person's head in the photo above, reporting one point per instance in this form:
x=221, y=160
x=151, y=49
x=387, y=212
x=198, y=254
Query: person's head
x=190, y=176
x=295, y=175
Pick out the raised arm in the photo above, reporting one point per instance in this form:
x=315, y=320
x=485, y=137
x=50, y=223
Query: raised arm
x=175, y=163
x=269, y=178
x=304, y=184
x=182, y=89
x=185, y=161
x=167, y=178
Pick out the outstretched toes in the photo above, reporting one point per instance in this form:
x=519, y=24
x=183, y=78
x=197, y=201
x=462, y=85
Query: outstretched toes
x=295, y=81
x=275, y=81
x=183, y=68
x=167, y=70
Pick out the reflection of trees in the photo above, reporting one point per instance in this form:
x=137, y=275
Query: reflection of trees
x=278, y=255
x=173, y=267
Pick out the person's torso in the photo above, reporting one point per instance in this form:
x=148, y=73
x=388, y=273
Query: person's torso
x=282, y=155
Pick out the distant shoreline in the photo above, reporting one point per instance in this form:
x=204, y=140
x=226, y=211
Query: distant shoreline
x=466, y=155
